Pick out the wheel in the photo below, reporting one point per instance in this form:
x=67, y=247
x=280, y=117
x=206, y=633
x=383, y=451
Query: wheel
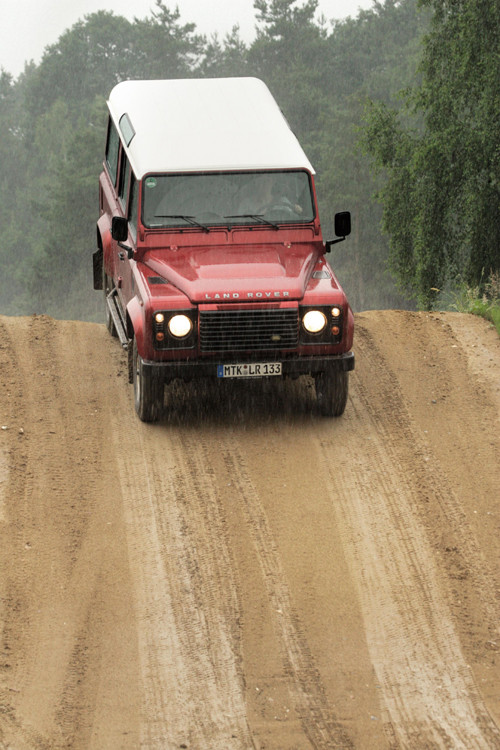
x=148, y=391
x=331, y=392
x=107, y=285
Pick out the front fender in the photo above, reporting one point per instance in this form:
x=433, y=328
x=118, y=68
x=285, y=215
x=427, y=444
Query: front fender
x=350, y=331
x=136, y=324
x=104, y=241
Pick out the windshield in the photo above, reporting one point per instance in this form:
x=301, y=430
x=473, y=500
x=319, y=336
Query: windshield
x=227, y=198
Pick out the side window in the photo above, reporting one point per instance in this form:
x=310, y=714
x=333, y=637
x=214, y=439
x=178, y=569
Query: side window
x=133, y=205
x=112, y=149
x=123, y=181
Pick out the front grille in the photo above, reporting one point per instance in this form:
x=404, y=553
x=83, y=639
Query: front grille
x=248, y=330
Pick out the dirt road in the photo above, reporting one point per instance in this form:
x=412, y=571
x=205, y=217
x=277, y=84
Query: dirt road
x=247, y=574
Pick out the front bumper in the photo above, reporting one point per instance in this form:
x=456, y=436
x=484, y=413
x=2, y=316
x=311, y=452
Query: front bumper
x=291, y=367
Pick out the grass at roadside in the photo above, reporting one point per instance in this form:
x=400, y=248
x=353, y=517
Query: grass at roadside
x=486, y=304
x=488, y=311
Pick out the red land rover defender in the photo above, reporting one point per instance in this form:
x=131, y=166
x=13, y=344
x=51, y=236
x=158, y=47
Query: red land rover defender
x=210, y=251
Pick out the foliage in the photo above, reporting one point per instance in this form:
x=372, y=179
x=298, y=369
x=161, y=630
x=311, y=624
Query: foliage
x=53, y=120
x=482, y=300
x=375, y=54
x=69, y=207
x=441, y=196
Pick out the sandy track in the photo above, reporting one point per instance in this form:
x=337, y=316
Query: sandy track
x=246, y=574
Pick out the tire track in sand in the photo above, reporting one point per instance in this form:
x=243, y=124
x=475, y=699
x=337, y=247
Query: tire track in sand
x=64, y=566
x=378, y=480
x=163, y=590
x=192, y=690
x=307, y=697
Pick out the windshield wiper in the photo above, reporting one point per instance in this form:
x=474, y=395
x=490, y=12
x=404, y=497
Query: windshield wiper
x=256, y=217
x=190, y=220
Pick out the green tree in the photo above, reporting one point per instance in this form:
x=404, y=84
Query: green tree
x=15, y=210
x=61, y=273
x=86, y=61
x=225, y=59
x=442, y=194
x=372, y=54
x=166, y=48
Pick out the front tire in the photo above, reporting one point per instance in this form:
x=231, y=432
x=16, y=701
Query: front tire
x=332, y=389
x=148, y=391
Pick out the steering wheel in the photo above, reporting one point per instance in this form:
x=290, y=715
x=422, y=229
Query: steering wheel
x=281, y=209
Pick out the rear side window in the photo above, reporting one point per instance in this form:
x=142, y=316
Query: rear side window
x=112, y=149
x=124, y=181
x=133, y=205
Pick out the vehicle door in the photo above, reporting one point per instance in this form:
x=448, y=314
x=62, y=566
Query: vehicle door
x=128, y=201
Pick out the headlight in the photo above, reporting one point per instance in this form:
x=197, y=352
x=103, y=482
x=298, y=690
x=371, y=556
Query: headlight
x=314, y=321
x=180, y=326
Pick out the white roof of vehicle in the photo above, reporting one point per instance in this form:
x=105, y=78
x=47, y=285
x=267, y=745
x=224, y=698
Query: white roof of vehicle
x=204, y=124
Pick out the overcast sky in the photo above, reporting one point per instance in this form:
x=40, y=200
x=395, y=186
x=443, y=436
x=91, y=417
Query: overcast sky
x=28, y=26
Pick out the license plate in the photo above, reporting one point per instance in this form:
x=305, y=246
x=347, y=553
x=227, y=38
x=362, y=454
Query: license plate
x=249, y=370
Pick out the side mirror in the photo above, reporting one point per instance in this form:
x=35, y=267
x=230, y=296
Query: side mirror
x=343, y=224
x=342, y=228
x=119, y=228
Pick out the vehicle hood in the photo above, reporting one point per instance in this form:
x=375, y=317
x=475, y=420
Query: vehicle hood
x=237, y=273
